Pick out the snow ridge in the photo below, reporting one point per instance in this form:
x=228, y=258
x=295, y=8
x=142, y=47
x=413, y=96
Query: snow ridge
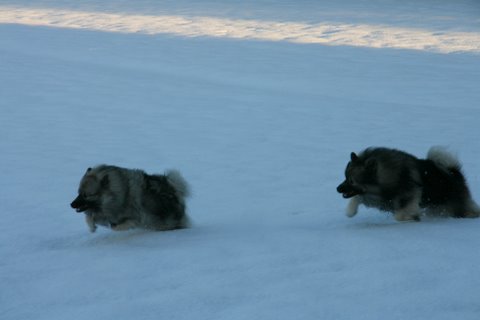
x=330, y=33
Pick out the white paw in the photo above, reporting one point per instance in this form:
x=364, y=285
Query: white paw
x=90, y=223
x=351, y=213
x=352, y=207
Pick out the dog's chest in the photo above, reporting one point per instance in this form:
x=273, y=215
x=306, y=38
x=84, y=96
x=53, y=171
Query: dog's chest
x=375, y=201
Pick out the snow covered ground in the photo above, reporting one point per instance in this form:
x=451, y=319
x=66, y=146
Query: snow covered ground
x=262, y=127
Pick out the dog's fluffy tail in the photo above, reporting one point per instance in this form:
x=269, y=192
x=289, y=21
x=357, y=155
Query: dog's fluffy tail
x=443, y=158
x=179, y=183
x=450, y=163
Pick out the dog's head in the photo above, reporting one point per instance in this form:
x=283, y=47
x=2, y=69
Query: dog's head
x=90, y=192
x=358, y=174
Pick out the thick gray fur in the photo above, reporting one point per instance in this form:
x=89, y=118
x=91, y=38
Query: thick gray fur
x=122, y=199
x=395, y=181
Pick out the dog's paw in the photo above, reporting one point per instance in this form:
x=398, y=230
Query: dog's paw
x=90, y=223
x=352, y=207
x=404, y=217
x=472, y=214
x=351, y=213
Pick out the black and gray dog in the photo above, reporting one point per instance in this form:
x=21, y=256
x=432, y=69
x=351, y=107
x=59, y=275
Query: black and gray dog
x=122, y=199
x=398, y=182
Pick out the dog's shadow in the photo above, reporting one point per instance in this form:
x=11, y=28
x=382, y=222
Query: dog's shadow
x=385, y=222
x=109, y=238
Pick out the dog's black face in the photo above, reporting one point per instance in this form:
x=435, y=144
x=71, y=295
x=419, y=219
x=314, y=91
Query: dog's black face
x=85, y=202
x=90, y=193
x=348, y=189
x=357, y=174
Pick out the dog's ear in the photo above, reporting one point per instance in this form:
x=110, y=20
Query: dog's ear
x=104, y=182
x=353, y=157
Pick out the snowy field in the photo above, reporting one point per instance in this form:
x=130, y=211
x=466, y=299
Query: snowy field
x=258, y=104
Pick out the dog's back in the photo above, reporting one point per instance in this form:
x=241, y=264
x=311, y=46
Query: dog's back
x=163, y=201
x=395, y=171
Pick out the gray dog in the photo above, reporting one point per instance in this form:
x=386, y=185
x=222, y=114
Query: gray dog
x=395, y=181
x=122, y=199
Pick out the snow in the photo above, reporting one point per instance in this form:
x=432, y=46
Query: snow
x=262, y=128
x=376, y=36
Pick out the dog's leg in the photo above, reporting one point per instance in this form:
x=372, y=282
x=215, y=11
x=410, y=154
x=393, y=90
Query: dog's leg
x=352, y=207
x=473, y=211
x=468, y=210
x=402, y=215
x=128, y=224
x=408, y=209
x=90, y=222
x=472, y=214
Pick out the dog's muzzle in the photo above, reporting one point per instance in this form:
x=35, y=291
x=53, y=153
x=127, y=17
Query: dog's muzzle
x=347, y=190
x=79, y=204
